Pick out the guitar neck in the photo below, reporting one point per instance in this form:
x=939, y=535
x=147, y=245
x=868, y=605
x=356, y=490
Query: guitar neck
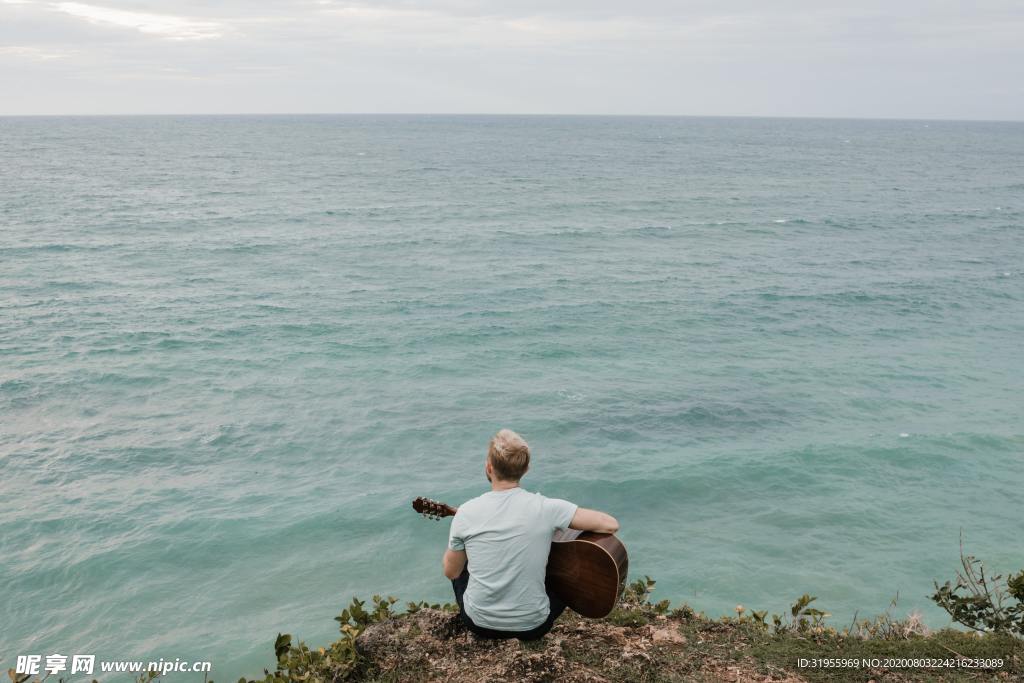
x=433, y=509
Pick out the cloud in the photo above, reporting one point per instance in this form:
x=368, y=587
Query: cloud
x=163, y=25
x=915, y=58
x=31, y=53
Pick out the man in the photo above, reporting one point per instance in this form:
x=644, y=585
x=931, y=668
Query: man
x=505, y=536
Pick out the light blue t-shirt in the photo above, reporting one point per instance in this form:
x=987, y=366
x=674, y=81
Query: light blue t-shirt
x=507, y=538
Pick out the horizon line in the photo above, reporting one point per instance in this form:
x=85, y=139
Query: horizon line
x=509, y=115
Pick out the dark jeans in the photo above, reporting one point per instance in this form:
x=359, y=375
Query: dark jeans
x=557, y=607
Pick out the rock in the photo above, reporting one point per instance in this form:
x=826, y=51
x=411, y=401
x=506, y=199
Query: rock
x=433, y=646
x=667, y=635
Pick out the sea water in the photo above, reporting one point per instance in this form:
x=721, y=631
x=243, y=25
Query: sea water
x=786, y=354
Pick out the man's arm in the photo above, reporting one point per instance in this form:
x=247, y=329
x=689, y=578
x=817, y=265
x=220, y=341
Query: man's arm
x=592, y=520
x=454, y=562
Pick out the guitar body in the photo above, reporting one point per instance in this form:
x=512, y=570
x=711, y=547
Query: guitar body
x=587, y=570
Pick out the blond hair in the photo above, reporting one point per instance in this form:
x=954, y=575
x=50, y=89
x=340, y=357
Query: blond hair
x=509, y=455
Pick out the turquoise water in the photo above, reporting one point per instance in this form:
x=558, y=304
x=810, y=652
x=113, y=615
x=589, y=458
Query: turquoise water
x=786, y=354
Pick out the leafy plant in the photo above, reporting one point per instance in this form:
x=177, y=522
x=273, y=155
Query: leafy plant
x=639, y=592
x=758, y=617
x=684, y=611
x=337, y=662
x=804, y=617
x=981, y=602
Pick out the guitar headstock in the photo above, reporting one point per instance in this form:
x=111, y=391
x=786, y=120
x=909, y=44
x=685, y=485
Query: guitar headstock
x=432, y=509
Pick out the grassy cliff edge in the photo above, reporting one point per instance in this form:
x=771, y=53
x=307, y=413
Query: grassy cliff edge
x=646, y=641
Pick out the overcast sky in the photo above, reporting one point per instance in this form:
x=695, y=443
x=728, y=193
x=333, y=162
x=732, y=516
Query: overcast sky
x=869, y=58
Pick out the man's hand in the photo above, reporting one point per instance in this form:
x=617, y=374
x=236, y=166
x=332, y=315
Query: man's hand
x=592, y=520
x=454, y=562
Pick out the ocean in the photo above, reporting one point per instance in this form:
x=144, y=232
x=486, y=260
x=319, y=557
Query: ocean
x=786, y=354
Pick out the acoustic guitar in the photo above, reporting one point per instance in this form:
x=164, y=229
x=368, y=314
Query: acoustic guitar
x=587, y=570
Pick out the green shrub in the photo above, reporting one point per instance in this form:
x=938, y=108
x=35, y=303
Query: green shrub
x=981, y=602
x=335, y=662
